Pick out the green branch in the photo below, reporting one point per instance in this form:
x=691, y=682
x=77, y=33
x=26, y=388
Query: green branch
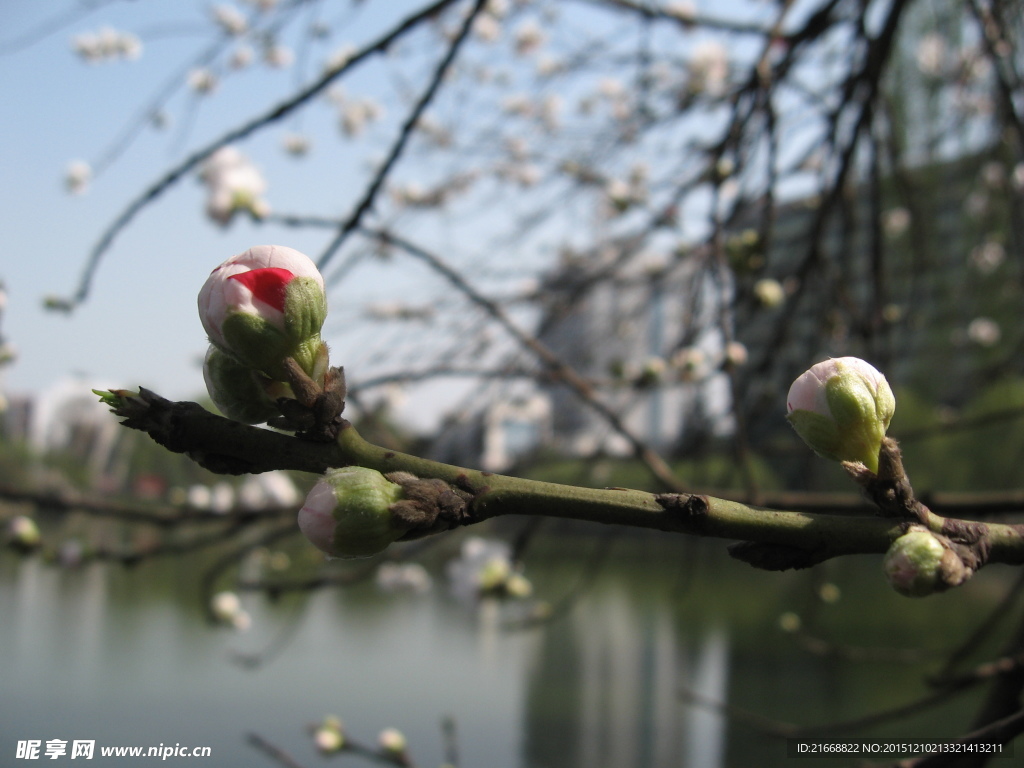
x=770, y=539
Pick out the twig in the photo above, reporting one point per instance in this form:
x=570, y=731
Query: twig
x=272, y=751
x=404, y=135
x=276, y=113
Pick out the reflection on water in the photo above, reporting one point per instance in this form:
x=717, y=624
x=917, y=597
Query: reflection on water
x=125, y=657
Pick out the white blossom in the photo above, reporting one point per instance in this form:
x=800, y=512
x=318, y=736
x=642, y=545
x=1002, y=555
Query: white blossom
x=769, y=292
x=77, y=177
x=931, y=54
x=233, y=184
x=895, y=221
x=278, y=56
x=105, y=45
x=709, y=68
x=296, y=144
x=487, y=28
x=230, y=19
x=988, y=256
x=202, y=80
x=528, y=38
x=984, y=331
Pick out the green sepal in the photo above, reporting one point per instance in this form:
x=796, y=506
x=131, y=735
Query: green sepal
x=855, y=406
x=305, y=309
x=237, y=390
x=819, y=432
x=364, y=524
x=256, y=343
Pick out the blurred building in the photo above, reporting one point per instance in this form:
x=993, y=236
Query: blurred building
x=643, y=329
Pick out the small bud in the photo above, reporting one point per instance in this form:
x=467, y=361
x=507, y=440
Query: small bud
x=23, y=534
x=913, y=565
x=329, y=736
x=348, y=513
x=265, y=305
x=227, y=609
x=841, y=408
x=392, y=741
x=237, y=391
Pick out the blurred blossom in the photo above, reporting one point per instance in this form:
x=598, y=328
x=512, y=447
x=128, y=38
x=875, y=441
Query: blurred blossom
x=357, y=114
x=434, y=131
x=403, y=577
x=263, y=5
x=241, y=57
x=931, y=53
x=77, y=177
x=548, y=66
x=789, y=622
x=993, y=174
x=296, y=144
x=983, y=331
x=487, y=28
x=769, y=292
x=484, y=566
x=684, y=11
x=230, y=19
x=895, y=221
x=709, y=68
x=105, y=45
x=976, y=203
x=268, y=489
x=8, y=353
x=529, y=37
x=496, y=8
x=278, y=56
x=222, y=497
x=227, y=609
x=517, y=104
x=610, y=88
x=329, y=736
x=690, y=361
x=199, y=497
x=202, y=80
x=339, y=58
x=392, y=740
x=988, y=256
x=233, y=184
x=735, y=353
x=550, y=111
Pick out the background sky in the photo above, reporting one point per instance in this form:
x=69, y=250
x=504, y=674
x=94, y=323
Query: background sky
x=139, y=325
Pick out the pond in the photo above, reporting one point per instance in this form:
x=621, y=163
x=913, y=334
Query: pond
x=647, y=639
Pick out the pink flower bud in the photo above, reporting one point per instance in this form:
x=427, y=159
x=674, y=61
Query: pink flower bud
x=841, y=408
x=264, y=305
x=348, y=513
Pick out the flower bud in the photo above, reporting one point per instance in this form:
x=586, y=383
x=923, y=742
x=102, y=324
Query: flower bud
x=348, y=513
x=841, y=408
x=23, y=534
x=264, y=305
x=914, y=563
x=392, y=741
x=329, y=736
x=227, y=609
x=237, y=391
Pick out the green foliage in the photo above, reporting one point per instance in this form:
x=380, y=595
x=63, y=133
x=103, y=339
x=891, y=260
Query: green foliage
x=979, y=447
